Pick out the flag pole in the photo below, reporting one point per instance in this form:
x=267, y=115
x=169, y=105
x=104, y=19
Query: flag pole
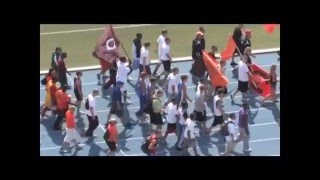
x=243, y=59
x=130, y=61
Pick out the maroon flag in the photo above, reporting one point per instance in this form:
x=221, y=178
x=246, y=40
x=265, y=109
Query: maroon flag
x=107, y=46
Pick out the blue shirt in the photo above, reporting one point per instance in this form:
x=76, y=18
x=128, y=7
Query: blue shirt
x=116, y=94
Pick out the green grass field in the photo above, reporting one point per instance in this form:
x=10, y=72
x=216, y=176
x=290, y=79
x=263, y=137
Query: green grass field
x=79, y=45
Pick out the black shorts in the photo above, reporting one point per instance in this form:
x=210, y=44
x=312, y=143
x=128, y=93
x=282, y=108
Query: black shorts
x=156, y=119
x=112, y=145
x=171, y=127
x=77, y=94
x=200, y=116
x=148, y=70
x=243, y=86
x=166, y=65
x=114, y=110
x=217, y=120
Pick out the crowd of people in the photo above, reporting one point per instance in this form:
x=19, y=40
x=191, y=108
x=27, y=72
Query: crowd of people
x=160, y=103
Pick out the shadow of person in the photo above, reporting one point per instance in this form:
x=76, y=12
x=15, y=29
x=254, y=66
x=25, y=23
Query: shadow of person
x=274, y=109
x=106, y=93
x=220, y=144
x=81, y=126
x=56, y=136
x=94, y=149
x=133, y=85
x=124, y=136
x=203, y=143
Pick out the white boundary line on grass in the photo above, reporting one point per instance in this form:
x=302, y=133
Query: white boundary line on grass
x=187, y=58
x=93, y=29
x=134, y=79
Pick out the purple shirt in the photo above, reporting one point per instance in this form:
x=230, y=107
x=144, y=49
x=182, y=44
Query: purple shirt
x=243, y=118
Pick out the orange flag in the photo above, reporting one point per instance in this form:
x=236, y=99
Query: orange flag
x=261, y=78
x=228, y=52
x=269, y=28
x=213, y=68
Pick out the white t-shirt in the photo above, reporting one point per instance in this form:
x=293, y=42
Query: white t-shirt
x=172, y=81
x=144, y=53
x=231, y=130
x=243, y=72
x=216, y=110
x=164, y=51
x=122, y=72
x=190, y=127
x=181, y=118
x=92, y=103
x=171, y=111
x=160, y=41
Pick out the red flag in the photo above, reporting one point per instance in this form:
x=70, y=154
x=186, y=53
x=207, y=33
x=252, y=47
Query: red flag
x=107, y=46
x=228, y=52
x=261, y=78
x=269, y=28
x=213, y=68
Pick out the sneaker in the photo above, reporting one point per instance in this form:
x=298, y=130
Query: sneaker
x=62, y=151
x=129, y=78
x=247, y=150
x=127, y=102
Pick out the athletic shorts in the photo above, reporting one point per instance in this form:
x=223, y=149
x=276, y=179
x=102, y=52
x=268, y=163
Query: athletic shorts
x=166, y=65
x=217, y=120
x=112, y=145
x=200, y=116
x=171, y=127
x=243, y=86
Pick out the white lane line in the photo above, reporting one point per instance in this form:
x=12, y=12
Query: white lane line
x=215, y=145
x=137, y=138
x=94, y=29
x=208, y=116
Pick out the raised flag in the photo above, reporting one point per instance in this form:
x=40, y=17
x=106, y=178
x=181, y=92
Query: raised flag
x=213, y=68
x=228, y=52
x=269, y=28
x=107, y=46
x=261, y=78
